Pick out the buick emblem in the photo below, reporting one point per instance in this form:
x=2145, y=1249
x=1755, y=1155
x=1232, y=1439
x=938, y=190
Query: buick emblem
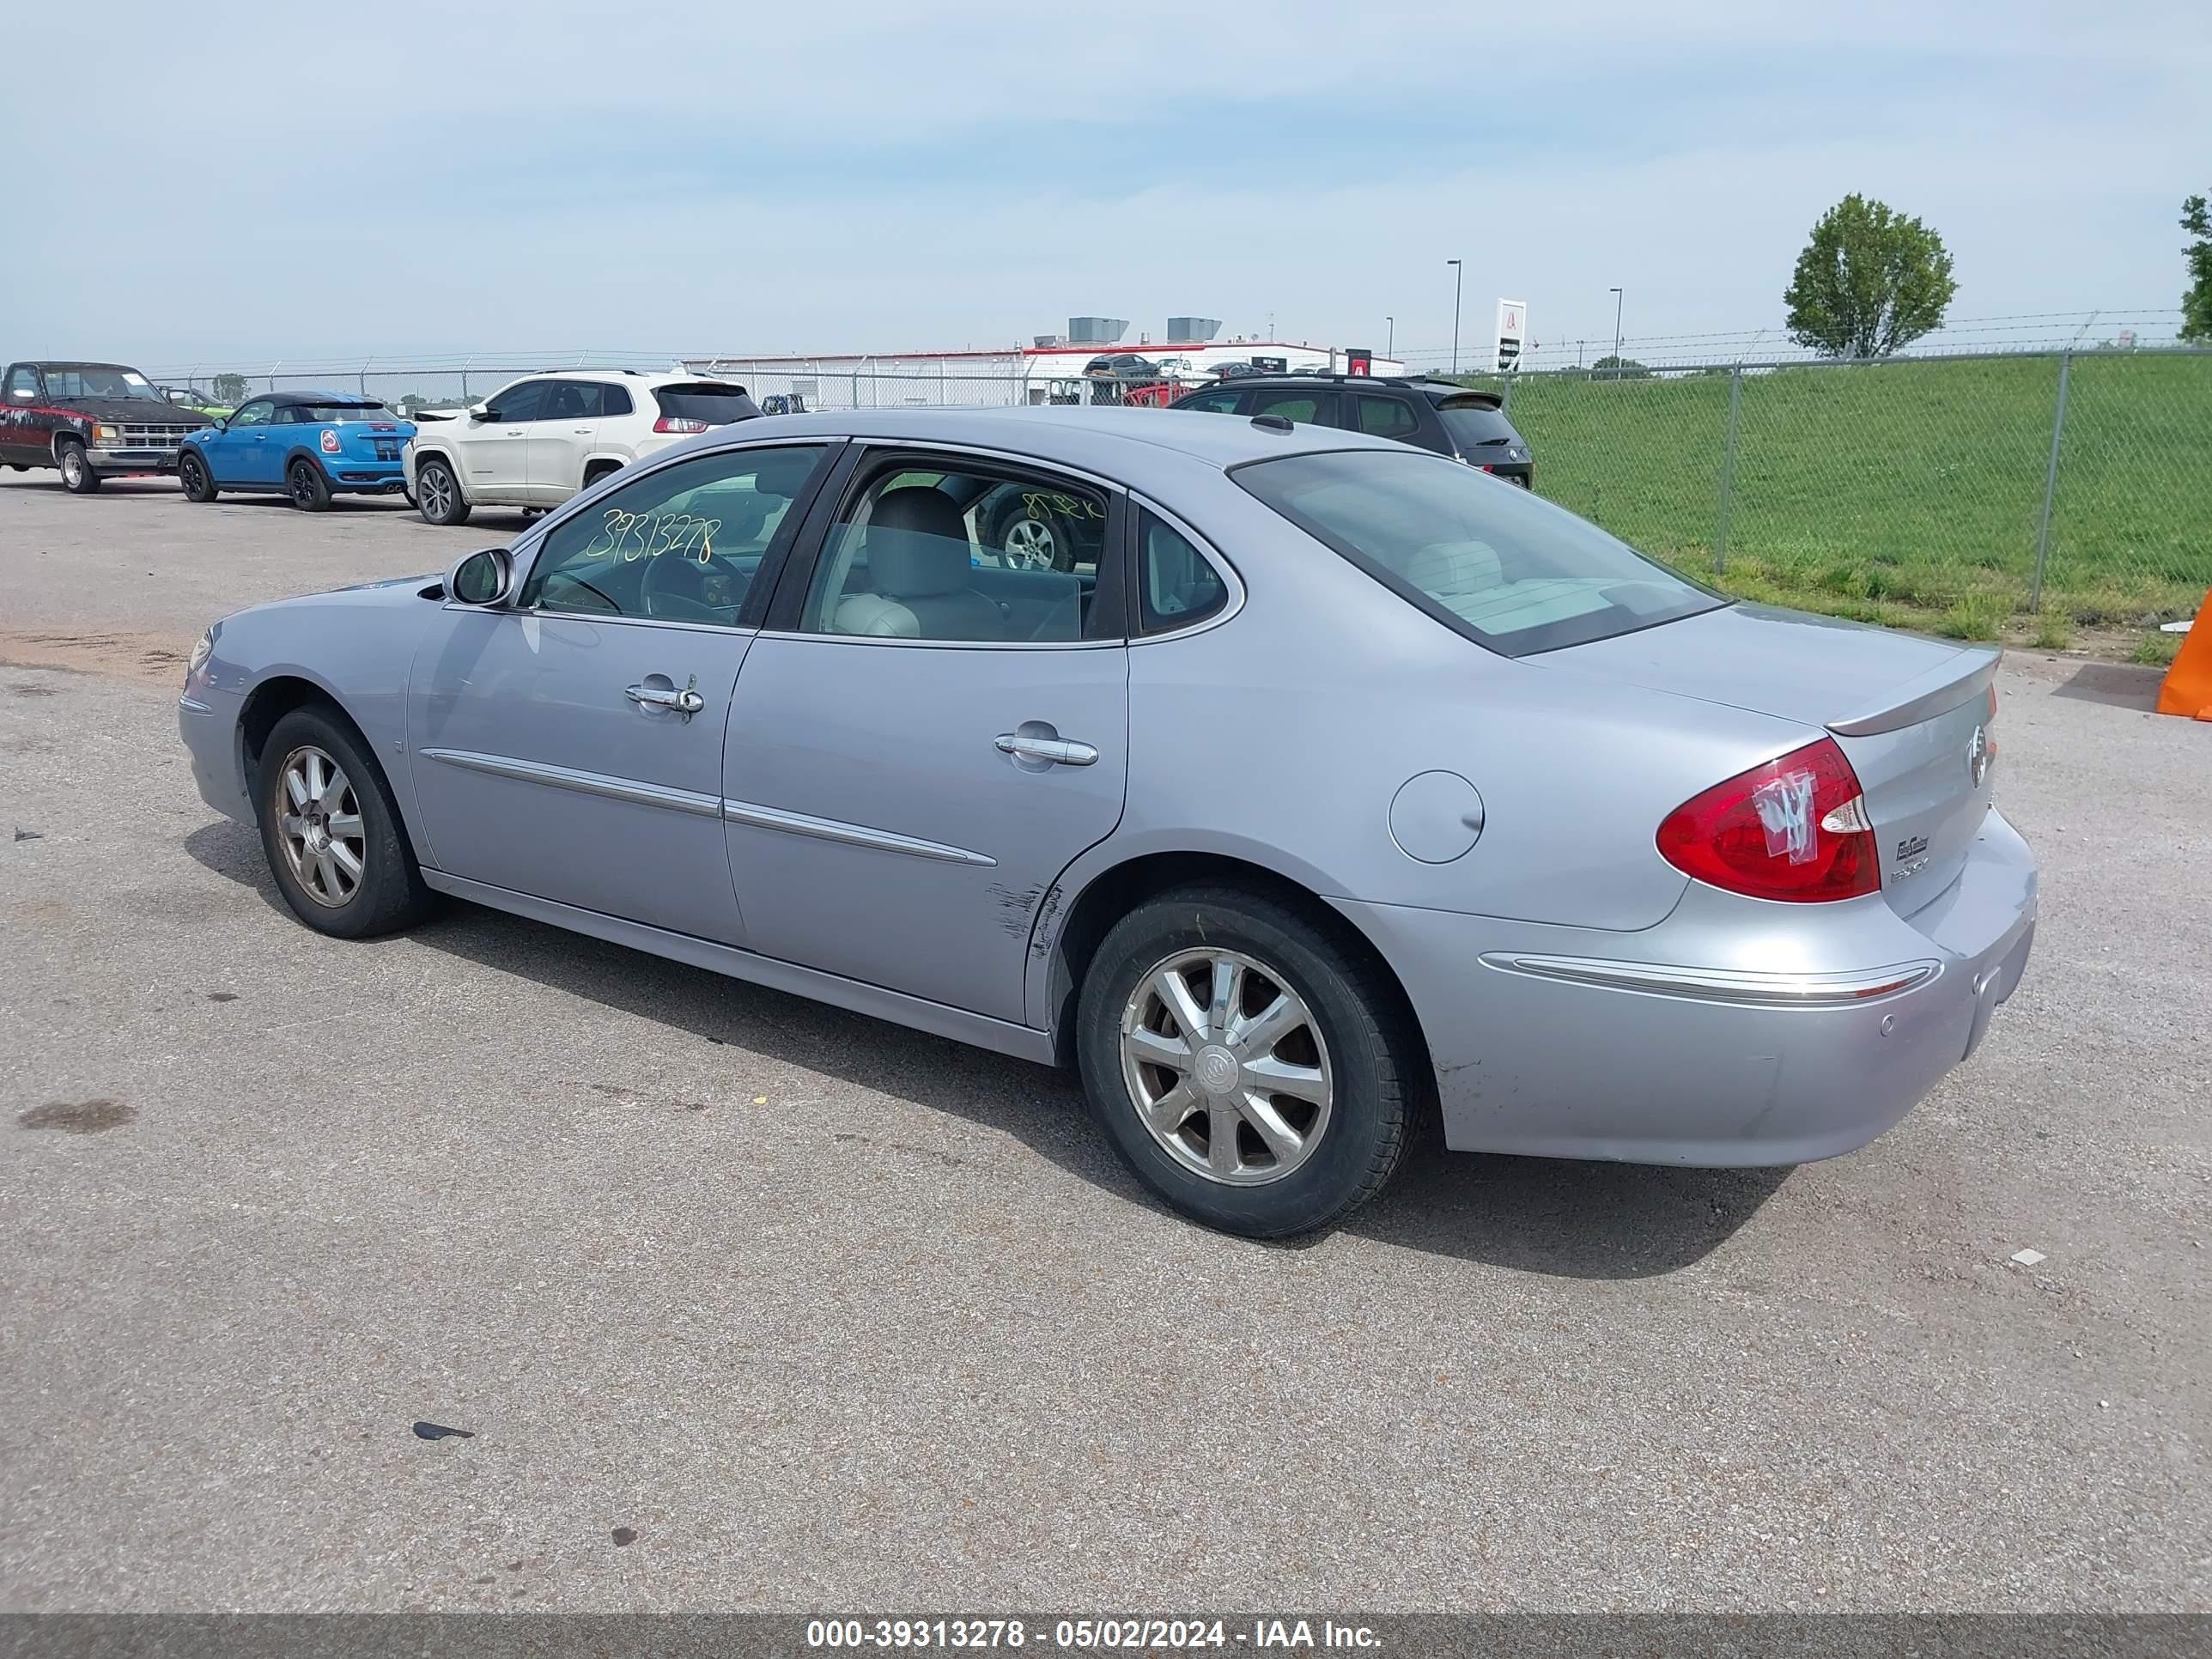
x=1978, y=755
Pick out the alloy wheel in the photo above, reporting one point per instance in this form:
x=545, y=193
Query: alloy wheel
x=73, y=466
x=1029, y=544
x=437, y=493
x=319, y=828
x=1226, y=1066
x=303, y=486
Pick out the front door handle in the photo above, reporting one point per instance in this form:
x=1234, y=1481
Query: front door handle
x=1058, y=751
x=686, y=702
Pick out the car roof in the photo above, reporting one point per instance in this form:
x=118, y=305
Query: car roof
x=1124, y=443
x=1434, y=390
x=289, y=397
x=647, y=377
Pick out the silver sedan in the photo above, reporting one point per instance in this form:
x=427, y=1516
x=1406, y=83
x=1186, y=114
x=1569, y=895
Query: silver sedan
x=1335, y=785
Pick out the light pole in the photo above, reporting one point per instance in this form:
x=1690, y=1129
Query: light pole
x=1459, y=273
x=1390, y=349
x=1616, y=332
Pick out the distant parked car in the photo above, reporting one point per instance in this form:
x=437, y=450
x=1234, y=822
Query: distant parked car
x=1433, y=414
x=306, y=445
x=89, y=420
x=536, y=441
x=1130, y=368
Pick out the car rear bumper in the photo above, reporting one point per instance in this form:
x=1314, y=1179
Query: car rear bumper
x=1548, y=1043
x=365, y=477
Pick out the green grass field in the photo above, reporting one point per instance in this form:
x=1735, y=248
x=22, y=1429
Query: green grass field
x=1907, y=493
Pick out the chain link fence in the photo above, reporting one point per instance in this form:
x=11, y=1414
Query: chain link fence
x=2057, y=499
x=2060, y=499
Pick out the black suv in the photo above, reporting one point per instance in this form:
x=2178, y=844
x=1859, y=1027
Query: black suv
x=1468, y=426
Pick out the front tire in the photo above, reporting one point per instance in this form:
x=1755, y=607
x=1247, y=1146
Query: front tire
x=79, y=475
x=438, y=494
x=306, y=486
x=330, y=832
x=192, y=475
x=1253, y=1068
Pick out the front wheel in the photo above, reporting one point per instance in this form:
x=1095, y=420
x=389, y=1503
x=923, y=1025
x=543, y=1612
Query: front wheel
x=1253, y=1068
x=79, y=475
x=192, y=474
x=330, y=832
x=438, y=494
x=306, y=487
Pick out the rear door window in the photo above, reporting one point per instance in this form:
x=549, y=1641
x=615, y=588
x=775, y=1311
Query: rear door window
x=1387, y=417
x=1302, y=406
x=1213, y=403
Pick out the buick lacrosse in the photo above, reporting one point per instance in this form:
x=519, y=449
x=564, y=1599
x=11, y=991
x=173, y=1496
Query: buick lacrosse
x=1337, y=784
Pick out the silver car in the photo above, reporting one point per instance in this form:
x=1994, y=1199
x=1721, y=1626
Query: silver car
x=1342, y=785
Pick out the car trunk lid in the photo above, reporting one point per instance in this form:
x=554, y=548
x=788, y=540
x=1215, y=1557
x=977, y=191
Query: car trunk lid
x=1911, y=715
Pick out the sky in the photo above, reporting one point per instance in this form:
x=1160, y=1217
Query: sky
x=304, y=182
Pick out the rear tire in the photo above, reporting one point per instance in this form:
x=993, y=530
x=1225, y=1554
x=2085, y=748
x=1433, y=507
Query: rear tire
x=192, y=475
x=79, y=475
x=438, y=496
x=375, y=885
x=1306, y=1011
x=306, y=487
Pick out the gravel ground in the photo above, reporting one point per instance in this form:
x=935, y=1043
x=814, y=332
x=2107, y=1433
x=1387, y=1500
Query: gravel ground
x=752, y=1303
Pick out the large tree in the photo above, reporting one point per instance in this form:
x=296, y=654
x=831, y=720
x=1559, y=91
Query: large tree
x=230, y=389
x=2197, y=303
x=1870, y=281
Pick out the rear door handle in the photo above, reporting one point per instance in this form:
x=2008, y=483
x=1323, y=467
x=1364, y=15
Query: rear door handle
x=1059, y=752
x=686, y=702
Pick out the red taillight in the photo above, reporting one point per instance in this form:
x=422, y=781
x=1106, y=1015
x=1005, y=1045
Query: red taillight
x=1794, y=828
x=330, y=441
x=678, y=423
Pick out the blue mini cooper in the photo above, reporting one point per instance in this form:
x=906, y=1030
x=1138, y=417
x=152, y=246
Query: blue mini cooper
x=309, y=445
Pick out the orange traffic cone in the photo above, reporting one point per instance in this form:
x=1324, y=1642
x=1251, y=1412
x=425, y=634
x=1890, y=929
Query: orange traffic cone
x=2187, y=688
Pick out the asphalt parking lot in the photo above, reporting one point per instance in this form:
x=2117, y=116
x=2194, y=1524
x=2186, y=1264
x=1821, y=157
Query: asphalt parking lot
x=753, y=1303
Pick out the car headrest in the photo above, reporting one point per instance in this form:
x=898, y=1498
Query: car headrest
x=917, y=543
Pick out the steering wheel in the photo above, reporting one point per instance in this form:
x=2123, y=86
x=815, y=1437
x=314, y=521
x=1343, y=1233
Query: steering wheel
x=683, y=587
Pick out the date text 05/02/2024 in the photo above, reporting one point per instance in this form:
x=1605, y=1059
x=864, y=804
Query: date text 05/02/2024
x=1089, y=1635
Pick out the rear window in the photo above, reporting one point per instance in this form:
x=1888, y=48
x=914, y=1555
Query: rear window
x=1504, y=567
x=1473, y=425
x=716, y=404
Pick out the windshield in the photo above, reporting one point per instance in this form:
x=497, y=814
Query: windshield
x=1504, y=568
x=1472, y=425
x=313, y=412
x=99, y=381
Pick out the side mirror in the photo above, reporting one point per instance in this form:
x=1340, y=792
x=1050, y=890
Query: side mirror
x=479, y=412
x=481, y=577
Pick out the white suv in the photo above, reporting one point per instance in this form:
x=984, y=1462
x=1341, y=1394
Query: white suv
x=536, y=441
